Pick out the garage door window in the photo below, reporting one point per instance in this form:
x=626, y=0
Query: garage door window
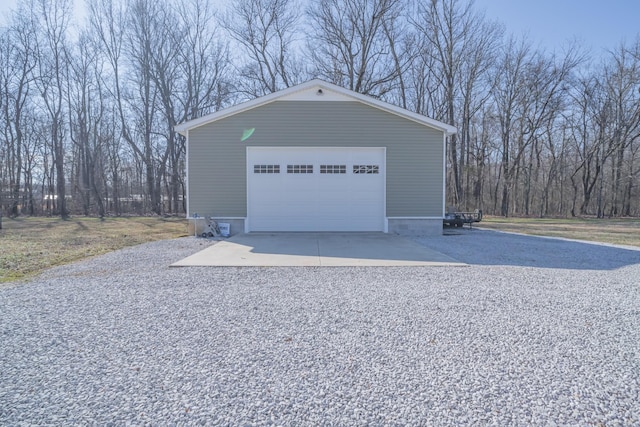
x=266, y=168
x=366, y=169
x=299, y=168
x=333, y=168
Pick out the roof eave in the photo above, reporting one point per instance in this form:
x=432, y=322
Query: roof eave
x=184, y=127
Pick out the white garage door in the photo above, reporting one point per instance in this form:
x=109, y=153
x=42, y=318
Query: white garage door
x=315, y=188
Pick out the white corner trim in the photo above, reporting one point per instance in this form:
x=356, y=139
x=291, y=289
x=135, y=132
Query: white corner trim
x=247, y=228
x=186, y=165
x=444, y=174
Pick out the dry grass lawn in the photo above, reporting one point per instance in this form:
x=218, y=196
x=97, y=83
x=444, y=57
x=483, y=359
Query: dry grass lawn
x=624, y=231
x=30, y=245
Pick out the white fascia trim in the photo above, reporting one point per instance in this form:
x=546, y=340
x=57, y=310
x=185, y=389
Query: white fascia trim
x=365, y=99
x=385, y=106
x=235, y=109
x=399, y=111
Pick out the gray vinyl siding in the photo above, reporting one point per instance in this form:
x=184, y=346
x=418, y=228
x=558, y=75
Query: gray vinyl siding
x=217, y=157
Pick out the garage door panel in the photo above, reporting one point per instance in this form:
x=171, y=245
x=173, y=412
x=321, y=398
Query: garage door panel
x=330, y=198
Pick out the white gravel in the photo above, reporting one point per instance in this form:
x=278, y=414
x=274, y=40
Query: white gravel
x=534, y=332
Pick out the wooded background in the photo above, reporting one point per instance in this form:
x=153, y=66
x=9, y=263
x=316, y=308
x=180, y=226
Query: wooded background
x=88, y=108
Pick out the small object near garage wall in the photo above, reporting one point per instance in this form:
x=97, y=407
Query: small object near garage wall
x=324, y=147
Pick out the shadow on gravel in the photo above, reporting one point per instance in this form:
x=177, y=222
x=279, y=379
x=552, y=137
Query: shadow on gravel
x=486, y=247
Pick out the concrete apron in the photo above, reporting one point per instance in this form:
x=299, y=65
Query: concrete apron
x=316, y=249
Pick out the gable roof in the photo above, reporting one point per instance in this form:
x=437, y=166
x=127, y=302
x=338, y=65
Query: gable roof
x=324, y=91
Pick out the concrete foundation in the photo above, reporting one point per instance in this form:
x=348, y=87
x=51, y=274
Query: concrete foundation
x=236, y=225
x=198, y=225
x=400, y=226
x=415, y=227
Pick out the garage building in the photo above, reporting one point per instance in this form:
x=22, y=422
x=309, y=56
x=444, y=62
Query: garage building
x=317, y=157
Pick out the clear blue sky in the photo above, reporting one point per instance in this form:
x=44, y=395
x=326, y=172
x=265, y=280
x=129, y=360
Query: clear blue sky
x=598, y=24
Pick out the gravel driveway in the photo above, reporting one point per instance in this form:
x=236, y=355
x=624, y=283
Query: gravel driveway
x=534, y=332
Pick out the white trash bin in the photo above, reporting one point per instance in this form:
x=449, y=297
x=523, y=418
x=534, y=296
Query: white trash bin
x=225, y=229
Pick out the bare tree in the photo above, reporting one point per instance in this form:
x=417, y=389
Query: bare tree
x=201, y=84
x=462, y=45
x=265, y=31
x=588, y=122
x=52, y=51
x=18, y=54
x=95, y=117
x=86, y=100
x=350, y=46
x=424, y=79
x=508, y=95
x=107, y=21
x=404, y=49
x=537, y=83
x=622, y=82
x=203, y=60
x=131, y=39
x=547, y=86
x=605, y=125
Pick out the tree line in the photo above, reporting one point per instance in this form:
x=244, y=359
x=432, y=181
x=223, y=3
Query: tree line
x=88, y=108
